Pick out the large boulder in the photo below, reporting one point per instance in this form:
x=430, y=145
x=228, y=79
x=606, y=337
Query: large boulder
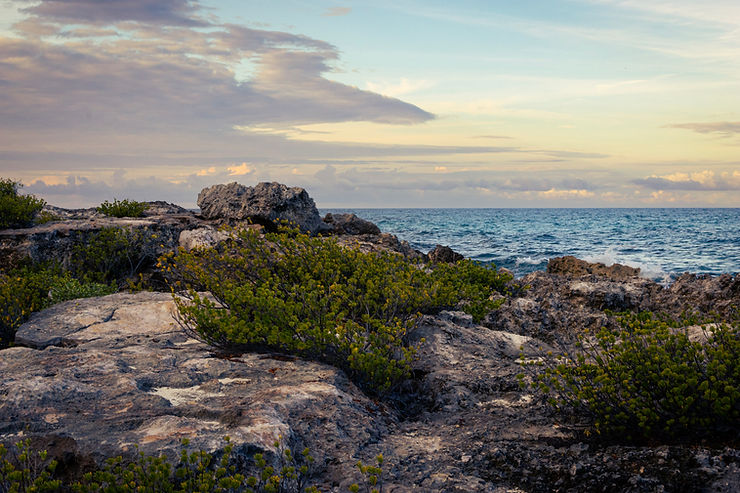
x=265, y=203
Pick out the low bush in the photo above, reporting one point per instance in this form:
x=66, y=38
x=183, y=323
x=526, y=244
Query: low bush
x=312, y=297
x=114, y=254
x=651, y=380
x=123, y=208
x=28, y=289
x=17, y=211
x=29, y=471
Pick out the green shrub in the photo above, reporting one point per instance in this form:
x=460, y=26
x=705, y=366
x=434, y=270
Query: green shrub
x=32, y=288
x=123, y=208
x=312, y=297
x=649, y=380
x=27, y=471
x=16, y=211
x=199, y=471
x=22, y=292
x=113, y=254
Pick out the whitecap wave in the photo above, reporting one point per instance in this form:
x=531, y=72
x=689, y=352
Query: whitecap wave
x=530, y=260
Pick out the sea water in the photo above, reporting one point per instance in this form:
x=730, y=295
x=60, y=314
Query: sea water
x=662, y=242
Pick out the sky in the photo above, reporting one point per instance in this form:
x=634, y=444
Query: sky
x=402, y=103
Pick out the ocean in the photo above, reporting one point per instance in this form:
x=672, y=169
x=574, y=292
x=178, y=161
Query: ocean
x=662, y=242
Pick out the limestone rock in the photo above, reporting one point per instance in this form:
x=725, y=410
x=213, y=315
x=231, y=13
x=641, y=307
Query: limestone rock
x=116, y=371
x=444, y=254
x=573, y=267
x=55, y=241
x=265, y=203
x=350, y=224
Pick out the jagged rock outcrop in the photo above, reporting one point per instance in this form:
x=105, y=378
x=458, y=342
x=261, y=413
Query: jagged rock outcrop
x=55, y=241
x=264, y=203
x=443, y=254
x=574, y=267
x=557, y=304
x=350, y=224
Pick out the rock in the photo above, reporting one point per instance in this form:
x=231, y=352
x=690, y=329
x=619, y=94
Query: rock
x=556, y=305
x=265, y=203
x=204, y=237
x=350, y=224
x=444, y=254
x=55, y=241
x=112, y=372
x=573, y=267
x=383, y=242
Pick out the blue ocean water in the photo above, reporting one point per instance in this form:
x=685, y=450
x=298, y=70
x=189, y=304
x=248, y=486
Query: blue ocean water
x=662, y=242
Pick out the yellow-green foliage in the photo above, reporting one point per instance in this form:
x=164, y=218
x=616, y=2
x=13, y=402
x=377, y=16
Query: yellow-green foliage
x=113, y=254
x=29, y=289
x=16, y=211
x=123, y=208
x=310, y=296
x=373, y=476
x=650, y=380
x=31, y=472
x=26, y=471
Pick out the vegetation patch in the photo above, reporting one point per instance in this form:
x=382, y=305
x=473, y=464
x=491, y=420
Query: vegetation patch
x=27, y=289
x=24, y=470
x=123, y=208
x=651, y=380
x=114, y=254
x=17, y=211
x=289, y=292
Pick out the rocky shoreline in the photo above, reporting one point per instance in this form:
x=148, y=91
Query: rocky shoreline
x=92, y=378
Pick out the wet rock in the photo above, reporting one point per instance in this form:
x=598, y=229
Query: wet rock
x=265, y=203
x=444, y=254
x=573, y=267
x=350, y=224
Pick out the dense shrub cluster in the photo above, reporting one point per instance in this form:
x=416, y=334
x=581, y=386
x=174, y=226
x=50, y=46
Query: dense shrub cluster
x=25, y=290
x=16, y=211
x=310, y=296
x=199, y=471
x=113, y=254
x=123, y=208
x=650, y=380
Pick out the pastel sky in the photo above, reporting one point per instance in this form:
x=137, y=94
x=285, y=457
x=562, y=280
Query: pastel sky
x=389, y=103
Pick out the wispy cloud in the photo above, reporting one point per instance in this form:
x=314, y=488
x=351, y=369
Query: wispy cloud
x=337, y=11
x=706, y=180
x=167, y=12
x=725, y=129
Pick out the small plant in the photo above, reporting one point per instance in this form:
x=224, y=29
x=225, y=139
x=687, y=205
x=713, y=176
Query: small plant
x=44, y=217
x=123, y=208
x=17, y=211
x=26, y=471
x=373, y=476
x=650, y=380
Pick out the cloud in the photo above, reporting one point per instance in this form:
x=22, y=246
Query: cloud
x=163, y=12
x=706, y=180
x=402, y=87
x=726, y=129
x=207, y=171
x=144, y=77
x=337, y=11
x=242, y=169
